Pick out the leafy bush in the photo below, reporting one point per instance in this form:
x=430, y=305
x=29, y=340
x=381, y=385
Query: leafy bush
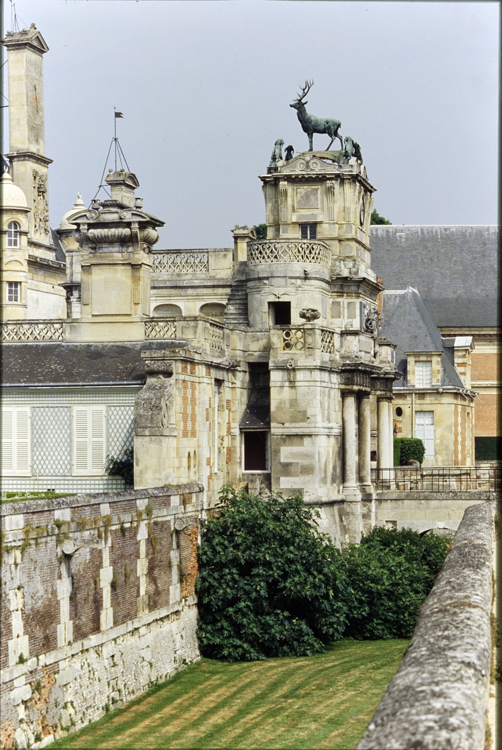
x=268, y=582
x=388, y=576
x=271, y=585
x=261, y=231
x=411, y=449
x=122, y=466
x=377, y=219
x=397, y=451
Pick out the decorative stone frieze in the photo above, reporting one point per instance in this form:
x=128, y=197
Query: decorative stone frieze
x=286, y=251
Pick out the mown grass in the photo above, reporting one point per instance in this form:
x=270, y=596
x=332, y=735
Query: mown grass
x=322, y=701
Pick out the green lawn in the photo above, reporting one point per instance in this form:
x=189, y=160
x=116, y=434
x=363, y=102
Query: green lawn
x=322, y=701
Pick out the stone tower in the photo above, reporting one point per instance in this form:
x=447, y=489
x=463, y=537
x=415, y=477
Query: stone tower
x=114, y=238
x=29, y=164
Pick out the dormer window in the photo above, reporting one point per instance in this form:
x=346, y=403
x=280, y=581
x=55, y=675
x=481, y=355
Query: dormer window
x=423, y=374
x=308, y=231
x=13, y=234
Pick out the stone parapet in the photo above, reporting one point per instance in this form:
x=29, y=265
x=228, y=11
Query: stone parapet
x=98, y=604
x=438, y=698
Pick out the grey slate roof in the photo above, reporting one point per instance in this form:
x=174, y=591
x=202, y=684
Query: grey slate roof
x=406, y=322
x=60, y=253
x=62, y=364
x=453, y=267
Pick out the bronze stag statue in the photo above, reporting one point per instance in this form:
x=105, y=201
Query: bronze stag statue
x=311, y=124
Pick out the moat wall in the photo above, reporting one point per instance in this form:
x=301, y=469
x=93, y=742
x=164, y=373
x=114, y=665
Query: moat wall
x=98, y=603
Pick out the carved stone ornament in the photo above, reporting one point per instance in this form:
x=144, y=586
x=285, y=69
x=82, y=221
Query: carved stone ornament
x=149, y=236
x=309, y=314
x=40, y=204
x=109, y=236
x=153, y=409
x=371, y=320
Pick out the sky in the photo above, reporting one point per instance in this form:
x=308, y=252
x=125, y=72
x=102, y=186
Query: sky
x=205, y=87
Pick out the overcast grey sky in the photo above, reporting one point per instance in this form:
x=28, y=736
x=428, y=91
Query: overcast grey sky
x=205, y=89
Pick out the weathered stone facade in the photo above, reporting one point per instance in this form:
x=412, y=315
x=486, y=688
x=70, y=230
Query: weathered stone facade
x=98, y=603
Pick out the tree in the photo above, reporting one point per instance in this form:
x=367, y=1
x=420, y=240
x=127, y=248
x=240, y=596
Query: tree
x=268, y=582
x=261, y=231
x=377, y=219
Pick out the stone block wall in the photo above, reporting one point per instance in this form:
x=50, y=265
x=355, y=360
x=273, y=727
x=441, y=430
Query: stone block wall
x=439, y=696
x=98, y=603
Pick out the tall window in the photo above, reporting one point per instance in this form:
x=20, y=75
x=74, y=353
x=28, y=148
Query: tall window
x=13, y=291
x=423, y=374
x=424, y=429
x=89, y=440
x=308, y=231
x=16, y=440
x=13, y=234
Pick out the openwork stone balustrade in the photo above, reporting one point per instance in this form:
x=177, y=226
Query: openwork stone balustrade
x=287, y=251
x=160, y=329
x=31, y=331
x=304, y=339
x=180, y=262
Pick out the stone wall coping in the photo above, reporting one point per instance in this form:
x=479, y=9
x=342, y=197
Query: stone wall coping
x=439, y=696
x=472, y=495
x=92, y=641
x=75, y=501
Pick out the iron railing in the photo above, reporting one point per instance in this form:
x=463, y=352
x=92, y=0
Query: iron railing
x=438, y=478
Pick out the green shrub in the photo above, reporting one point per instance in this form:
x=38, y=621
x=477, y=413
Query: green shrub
x=271, y=585
x=268, y=583
x=397, y=451
x=261, y=231
x=388, y=576
x=122, y=466
x=411, y=449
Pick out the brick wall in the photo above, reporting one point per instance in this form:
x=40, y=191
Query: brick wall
x=484, y=367
x=97, y=604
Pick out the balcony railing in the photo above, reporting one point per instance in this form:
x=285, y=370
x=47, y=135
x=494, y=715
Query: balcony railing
x=438, y=478
x=31, y=330
x=288, y=251
x=180, y=262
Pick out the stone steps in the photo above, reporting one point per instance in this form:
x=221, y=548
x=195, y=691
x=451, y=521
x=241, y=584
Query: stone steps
x=236, y=311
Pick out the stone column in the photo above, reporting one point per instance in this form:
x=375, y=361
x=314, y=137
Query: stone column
x=349, y=439
x=364, y=442
x=385, y=457
x=352, y=505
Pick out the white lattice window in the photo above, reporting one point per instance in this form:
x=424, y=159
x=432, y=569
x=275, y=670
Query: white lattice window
x=423, y=374
x=13, y=234
x=13, y=291
x=89, y=440
x=16, y=453
x=424, y=429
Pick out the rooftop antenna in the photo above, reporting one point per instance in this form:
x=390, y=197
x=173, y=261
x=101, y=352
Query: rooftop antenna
x=118, y=153
x=13, y=16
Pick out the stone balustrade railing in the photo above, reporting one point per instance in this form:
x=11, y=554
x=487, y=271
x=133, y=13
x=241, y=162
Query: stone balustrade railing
x=306, y=338
x=32, y=330
x=288, y=251
x=180, y=262
x=198, y=331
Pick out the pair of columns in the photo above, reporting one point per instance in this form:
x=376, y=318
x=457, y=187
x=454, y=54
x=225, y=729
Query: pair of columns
x=356, y=406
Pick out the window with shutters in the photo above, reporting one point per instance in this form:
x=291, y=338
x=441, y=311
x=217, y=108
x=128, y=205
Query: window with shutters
x=16, y=453
x=89, y=440
x=423, y=374
x=424, y=429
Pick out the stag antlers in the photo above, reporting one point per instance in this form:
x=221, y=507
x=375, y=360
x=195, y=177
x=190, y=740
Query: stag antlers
x=304, y=92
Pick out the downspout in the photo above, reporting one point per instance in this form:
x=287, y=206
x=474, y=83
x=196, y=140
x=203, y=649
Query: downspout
x=413, y=414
